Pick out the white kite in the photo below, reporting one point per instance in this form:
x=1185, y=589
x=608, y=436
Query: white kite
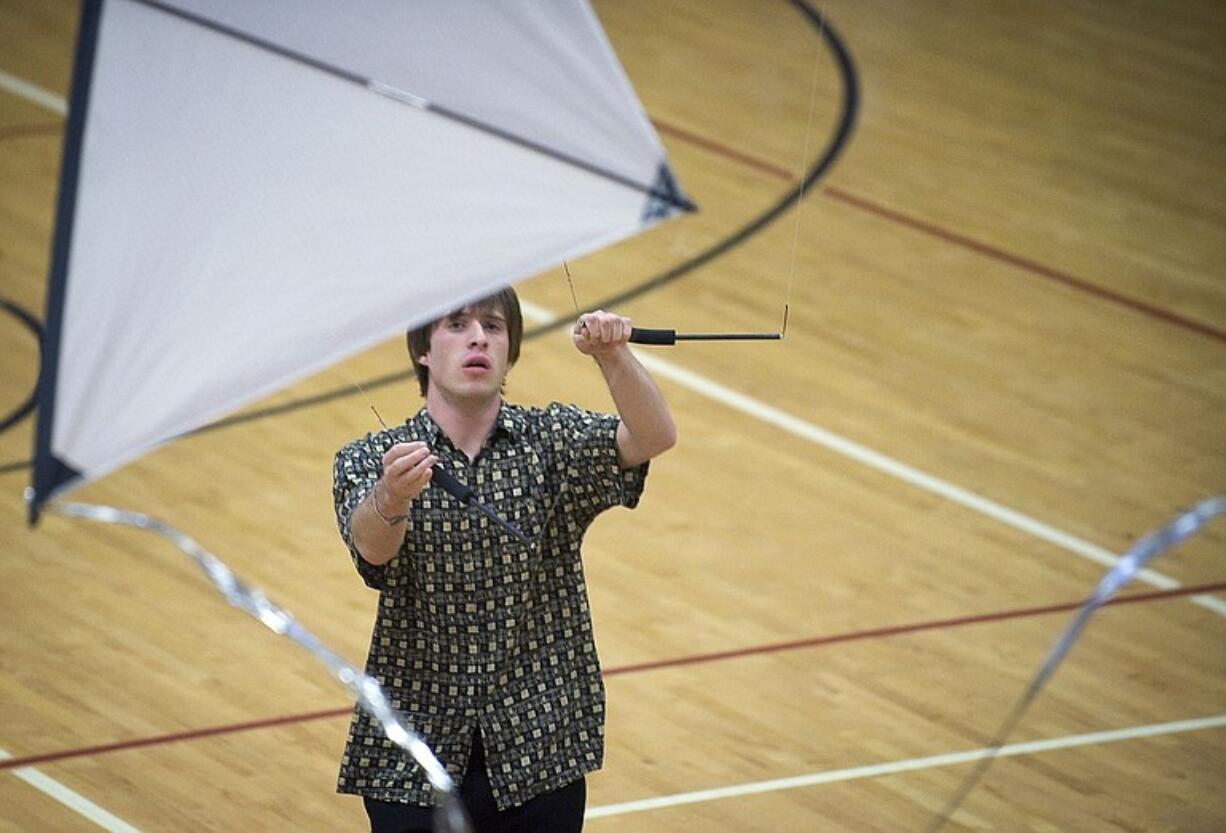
x=254, y=191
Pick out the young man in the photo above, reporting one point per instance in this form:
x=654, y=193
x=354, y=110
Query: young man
x=485, y=644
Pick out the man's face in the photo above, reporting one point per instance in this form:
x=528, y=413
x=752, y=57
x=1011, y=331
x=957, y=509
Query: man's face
x=468, y=354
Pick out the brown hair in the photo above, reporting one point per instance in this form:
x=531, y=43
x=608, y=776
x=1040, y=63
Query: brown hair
x=504, y=300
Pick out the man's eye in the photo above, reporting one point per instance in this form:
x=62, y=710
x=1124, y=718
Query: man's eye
x=455, y=323
x=493, y=326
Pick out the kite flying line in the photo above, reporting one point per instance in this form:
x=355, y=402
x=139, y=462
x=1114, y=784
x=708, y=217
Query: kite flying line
x=462, y=491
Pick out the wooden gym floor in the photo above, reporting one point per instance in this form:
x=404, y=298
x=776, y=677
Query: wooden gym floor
x=1006, y=358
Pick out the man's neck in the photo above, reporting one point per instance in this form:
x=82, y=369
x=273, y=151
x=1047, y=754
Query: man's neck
x=466, y=424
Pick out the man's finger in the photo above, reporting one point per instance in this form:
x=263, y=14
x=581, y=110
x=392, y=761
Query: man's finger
x=400, y=450
x=423, y=468
x=621, y=330
x=398, y=467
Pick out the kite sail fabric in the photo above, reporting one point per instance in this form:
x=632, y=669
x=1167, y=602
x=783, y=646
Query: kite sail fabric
x=253, y=191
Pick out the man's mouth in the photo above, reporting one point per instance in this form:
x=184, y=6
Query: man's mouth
x=477, y=362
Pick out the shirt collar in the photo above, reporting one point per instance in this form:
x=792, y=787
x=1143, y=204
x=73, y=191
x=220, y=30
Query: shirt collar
x=510, y=420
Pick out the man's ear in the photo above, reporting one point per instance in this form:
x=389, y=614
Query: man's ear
x=424, y=360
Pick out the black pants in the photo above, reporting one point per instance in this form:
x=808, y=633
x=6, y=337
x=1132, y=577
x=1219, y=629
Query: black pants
x=560, y=811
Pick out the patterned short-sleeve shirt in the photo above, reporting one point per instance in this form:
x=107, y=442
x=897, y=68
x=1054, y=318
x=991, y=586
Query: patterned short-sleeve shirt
x=475, y=631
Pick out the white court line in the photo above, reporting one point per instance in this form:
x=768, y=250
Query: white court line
x=37, y=95
x=876, y=460
x=72, y=800
x=809, y=431
x=895, y=767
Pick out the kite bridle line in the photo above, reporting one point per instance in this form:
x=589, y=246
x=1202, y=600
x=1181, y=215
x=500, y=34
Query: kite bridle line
x=1175, y=532
x=639, y=335
x=669, y=337
x=365, y=689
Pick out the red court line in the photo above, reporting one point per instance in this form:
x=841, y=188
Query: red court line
x=957, y=239
x=158, y=740
x=746, y=159
x=856, y=201
x=1031, y=266
x=899, y=630
x=675, y=662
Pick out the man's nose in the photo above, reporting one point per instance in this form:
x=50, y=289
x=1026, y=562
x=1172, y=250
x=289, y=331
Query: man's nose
x=476, y=334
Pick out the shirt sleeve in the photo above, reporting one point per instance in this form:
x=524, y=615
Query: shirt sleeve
x=354, y=473
x=593, y=471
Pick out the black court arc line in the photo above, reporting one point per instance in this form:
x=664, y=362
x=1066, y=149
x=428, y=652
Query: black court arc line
x=32, y=324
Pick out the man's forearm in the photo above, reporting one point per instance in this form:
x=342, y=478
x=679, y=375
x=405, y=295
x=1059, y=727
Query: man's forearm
x=378, y=523
x=377, y=541
x=647, y=427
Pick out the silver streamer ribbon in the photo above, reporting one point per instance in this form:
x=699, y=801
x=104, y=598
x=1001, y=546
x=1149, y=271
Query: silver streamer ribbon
x=1177, y=531
x=450, y=816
